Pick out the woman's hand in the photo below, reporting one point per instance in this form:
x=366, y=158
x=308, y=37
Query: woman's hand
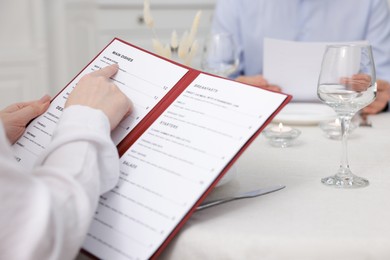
x=97, y=91
x=16, y=117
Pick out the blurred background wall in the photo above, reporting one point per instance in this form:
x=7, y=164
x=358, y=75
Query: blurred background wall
x=45, y=43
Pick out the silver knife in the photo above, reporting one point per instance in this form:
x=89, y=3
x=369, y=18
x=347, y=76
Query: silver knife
x=249, y=194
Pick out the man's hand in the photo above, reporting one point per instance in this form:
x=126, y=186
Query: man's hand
x=97, y=91
x=381, y=100
x=15, y=117
x=358, y=82
x=259, y=81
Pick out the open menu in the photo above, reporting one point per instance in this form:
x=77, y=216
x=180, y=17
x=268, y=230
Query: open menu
x=186, y=130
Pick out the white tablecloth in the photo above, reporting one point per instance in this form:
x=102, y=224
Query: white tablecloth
x=306, y=220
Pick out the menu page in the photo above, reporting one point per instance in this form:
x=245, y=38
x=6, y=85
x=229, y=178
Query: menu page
x=166, y=171
x=295, y=66
x=144, y=78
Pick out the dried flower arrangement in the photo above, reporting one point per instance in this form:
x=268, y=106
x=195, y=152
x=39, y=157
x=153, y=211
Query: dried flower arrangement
x=185, y=49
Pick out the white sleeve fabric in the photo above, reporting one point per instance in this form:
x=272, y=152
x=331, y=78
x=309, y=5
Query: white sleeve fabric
x=45, y=213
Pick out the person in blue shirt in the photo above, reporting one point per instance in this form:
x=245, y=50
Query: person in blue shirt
x=251, y=21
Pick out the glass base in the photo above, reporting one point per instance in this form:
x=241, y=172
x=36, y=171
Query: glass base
x=345, y=181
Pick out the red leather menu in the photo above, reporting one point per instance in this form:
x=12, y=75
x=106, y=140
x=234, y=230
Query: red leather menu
x=186, y=130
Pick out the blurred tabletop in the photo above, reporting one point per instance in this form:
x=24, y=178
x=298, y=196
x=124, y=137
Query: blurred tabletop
x=306, y=220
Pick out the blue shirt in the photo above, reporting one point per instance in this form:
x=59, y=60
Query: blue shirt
x=250, y=21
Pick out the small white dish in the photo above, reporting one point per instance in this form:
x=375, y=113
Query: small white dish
x=304, y=114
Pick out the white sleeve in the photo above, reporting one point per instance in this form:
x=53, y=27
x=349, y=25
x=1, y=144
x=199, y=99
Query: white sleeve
x=45, y=213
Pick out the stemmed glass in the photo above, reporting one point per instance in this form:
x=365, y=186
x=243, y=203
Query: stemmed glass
x=220, y=55
x=347, y=84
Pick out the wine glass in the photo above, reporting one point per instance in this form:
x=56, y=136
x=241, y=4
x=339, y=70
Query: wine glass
x=220, y=55
x=347, y=84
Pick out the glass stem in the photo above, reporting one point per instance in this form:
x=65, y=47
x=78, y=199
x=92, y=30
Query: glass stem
x=344, y=165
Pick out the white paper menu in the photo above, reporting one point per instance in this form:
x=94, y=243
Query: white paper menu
x=197, y=130
x=295, y=66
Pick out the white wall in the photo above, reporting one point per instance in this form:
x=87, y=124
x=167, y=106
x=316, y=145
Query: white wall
x=42, y=45
x=23, y=66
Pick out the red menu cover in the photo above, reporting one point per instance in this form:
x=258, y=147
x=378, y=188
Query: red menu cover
x=186, y=131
